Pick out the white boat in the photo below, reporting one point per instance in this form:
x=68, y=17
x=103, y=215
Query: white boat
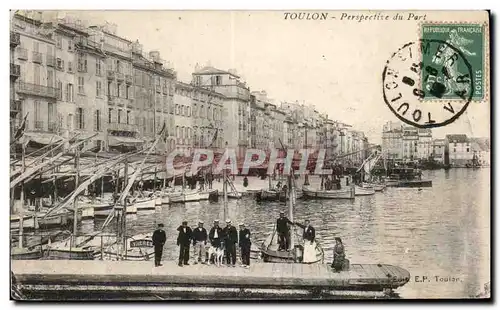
x=165, y=199
x=87, y=213
x=158, y=200
x=131, y=208
x=138, y=248
x=378, y=187
x=32, y=220
x=144, y=204
x=364, y=190
x=65, y=250
x=234, y=195
x=186, y=196
x=343, y=193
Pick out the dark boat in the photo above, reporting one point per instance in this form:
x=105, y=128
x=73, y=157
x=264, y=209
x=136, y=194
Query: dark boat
x=407, y=177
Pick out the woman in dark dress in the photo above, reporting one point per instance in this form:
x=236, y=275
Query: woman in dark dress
x=338, y=255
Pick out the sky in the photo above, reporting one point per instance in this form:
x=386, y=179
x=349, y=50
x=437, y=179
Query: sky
x=335, y=65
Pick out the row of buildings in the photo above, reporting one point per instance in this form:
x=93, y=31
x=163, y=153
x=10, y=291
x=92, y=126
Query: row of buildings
x=402, y=143
x=69, y=77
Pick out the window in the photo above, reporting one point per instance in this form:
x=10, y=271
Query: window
x=198, y=80
x=97, y=121
x=128, y=117
x=81, y=85
x=110, y=112
x=467, y=150
x=118, y=66
x=195, y=110
x=36, y=74
x=70, y=45
x=36, y=46
x=218, y=80
x=110, y=93
x=59, y=42
x=98, y=89
x=188, y=111
x=69, y=92
x=98, y=67
x=59, y=90
x=176, y=109
x=59, y=64
x=127, y=92
x=80, y=124
x=454, y=150
x=70, y=66
x=51, y=115
x=50, y=78
x=118, y=90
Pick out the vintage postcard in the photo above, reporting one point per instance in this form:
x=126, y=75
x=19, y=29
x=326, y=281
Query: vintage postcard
x=242, y=155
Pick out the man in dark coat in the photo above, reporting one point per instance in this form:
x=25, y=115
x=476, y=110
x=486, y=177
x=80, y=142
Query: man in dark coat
x=183, y=241
x=159, y=238
x=245, y=245
x=199, y=243
x=283, y=232
x=215, y=235
x=231, y=239
x=309, y=231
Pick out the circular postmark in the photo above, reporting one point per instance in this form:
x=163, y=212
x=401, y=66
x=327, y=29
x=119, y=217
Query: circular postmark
x=428, y=83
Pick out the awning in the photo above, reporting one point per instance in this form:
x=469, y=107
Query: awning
x=42, y=138
x=124, y=141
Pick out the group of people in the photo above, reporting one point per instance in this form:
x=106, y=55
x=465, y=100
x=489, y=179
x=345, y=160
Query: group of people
x=225, y=239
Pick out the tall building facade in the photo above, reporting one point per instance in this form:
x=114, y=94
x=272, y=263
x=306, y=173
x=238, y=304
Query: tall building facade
x=237, y=129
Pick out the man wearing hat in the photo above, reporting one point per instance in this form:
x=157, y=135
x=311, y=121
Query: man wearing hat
x=159, y=238
x=231, y=239
x=183, y=241
x=283, y=232
x=245, y=245
x=199, y=243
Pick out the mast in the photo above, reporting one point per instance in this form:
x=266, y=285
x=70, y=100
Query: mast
x=75, y=201
x=290, y=208
x=224, y=188
x=124, y=215
x=21, y=211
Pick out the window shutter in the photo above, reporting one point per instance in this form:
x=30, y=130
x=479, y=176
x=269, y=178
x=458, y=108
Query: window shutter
x=95, y=120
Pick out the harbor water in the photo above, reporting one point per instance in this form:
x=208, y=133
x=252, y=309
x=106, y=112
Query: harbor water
x=441, y=232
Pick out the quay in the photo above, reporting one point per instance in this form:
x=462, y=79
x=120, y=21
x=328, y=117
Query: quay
x=98, y=279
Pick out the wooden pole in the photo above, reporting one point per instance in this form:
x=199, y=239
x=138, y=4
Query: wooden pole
x=21, y=211
x=224, y=189
x=75, y=201
x=290, y=209
x=124, y=217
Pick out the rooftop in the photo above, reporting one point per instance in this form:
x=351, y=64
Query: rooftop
x=461, y=138
x=211, y=70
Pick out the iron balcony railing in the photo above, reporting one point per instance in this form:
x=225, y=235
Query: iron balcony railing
x=37, y=57
x=122, y=127
x=37, y=90
x=15, y=70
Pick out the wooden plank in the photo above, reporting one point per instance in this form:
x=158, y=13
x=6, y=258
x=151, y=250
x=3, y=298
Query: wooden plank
x=393, y=271
x=378, y=272
x=368, y=272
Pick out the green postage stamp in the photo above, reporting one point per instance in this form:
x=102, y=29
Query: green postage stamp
x=457, y=66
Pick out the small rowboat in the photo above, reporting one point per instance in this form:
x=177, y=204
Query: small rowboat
x=364, y=190
x=343, y=193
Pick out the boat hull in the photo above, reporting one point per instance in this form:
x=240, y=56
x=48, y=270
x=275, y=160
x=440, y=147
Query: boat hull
x=145, y=204
x=410, y=183
x=345, y=193
x=67, y=253
x=364, y=191
x=23, y=253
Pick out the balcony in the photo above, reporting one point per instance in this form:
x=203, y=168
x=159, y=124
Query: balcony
x=15, y=71
x=15, y=106
x=37, y=57
x=122, y=127
x=120, y=101
x=111, y=100
x=128, y=79
x=51, y=61
x=15, y=39
x=22, y=53
x=37, y=90
x=39, y=126
x=111, y=75
x=52, y=127
x=119, y=76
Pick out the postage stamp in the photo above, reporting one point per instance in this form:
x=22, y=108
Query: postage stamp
x=468, y=42
x=416, y=72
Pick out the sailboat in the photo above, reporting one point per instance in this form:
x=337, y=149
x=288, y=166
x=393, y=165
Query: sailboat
x=369, y=187
x=269, y=248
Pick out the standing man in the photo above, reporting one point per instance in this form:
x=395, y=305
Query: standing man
x=159, y=238
x=199, y=243
x=283, y=232
x=215, y=235
x=231, y=239
x=245, y=245
x=183, y=241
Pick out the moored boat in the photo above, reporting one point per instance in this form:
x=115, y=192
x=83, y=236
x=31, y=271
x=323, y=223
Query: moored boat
x=364, y=190
x=143, y=204
x=26, y=253
x=343, y=193
x=138, y=248
x=65, y=250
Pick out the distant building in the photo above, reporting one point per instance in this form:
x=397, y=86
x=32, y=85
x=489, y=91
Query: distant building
x=438, y=150
x=392, y=141
x=424, y=144
x=481, y=148
x=458, y=150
